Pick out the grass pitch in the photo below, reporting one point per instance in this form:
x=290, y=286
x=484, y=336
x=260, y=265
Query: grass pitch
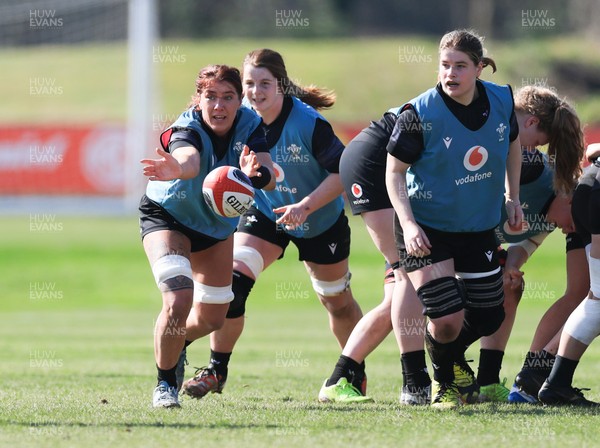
x=79, y=305
x=78, y=300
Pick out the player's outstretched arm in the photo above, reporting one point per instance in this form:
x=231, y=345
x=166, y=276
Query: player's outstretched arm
x=293, y=215
x=183, y=164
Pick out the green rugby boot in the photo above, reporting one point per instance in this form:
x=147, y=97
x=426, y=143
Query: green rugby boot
x=341, y=392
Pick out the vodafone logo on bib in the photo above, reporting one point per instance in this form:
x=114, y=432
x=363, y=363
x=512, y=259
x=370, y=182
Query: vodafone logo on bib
x=280, y=177
x=475, y=158
x=279, y=174
x=357, y=191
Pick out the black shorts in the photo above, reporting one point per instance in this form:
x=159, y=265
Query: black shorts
x=332, y=246
x=153, y=218
x=574, y=241
x=362, y=172
x=472, y=252
x=580, y=206
x=580, y=210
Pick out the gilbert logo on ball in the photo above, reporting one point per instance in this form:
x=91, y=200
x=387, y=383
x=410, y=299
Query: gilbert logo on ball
x=228, y=191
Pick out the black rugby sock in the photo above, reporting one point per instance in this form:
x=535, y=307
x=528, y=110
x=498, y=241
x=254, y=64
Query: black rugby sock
x=540, y=362
x=490, y=363
x=414, y=370
x=167, y=375
x=347, y=368
x=442, y=358
x=220, y=361
x=563, y=371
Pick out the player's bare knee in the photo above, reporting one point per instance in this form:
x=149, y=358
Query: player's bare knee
x=175, y=312
x=446, y=328
x=213, y=322
x=341, y=305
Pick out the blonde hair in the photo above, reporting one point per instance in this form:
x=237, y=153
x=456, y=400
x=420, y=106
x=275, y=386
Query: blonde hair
x=559, y=121
x=273, y=61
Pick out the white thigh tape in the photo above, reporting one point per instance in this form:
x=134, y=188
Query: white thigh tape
x=334, y=288
x=212, y=294
x=594, y=264
x=171, y=266
x=251, y=258
x=584, y=323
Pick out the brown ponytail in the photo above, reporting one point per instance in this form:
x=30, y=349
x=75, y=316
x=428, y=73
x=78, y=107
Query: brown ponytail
x=273, y=61
x=560, y=122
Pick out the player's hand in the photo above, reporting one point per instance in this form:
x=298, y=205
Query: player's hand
x=514, y=213
x=249, y=163
x=513, y=279
x=165, y=168
x=415, y=241
x=294, y=215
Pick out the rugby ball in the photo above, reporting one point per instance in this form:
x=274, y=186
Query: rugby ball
x=228, y=191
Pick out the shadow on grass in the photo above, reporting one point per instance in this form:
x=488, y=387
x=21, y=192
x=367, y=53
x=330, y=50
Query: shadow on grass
x=126, y=425
x=506, y=410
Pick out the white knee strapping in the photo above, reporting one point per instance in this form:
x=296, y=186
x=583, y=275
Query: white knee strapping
x=594, y=264
x=212, y=294
x=334, y=288
x=584, y=322
x=171, y=266
x=251, y=258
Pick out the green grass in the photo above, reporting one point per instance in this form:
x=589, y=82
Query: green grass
x=78, y=366
x=79, y=303
x=369, y=75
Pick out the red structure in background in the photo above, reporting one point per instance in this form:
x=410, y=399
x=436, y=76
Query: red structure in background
x=88, y=160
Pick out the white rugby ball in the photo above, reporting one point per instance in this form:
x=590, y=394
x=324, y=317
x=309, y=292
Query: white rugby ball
x=228, y=191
